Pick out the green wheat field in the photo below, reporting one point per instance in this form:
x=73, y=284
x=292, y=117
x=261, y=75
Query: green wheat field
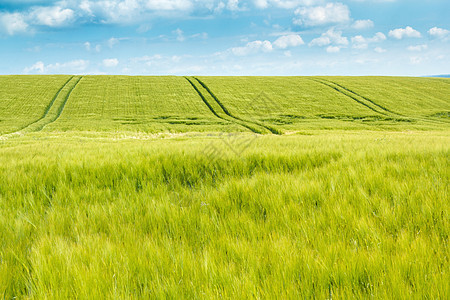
x=224, y=187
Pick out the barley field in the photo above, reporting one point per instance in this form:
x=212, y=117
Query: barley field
x=224, y=187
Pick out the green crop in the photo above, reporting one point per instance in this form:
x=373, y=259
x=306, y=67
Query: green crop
x=224, y=187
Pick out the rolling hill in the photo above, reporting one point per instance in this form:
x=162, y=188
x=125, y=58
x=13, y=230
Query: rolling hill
x=224, y=104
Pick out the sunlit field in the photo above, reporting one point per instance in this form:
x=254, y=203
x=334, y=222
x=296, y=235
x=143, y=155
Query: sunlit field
x=224, y=187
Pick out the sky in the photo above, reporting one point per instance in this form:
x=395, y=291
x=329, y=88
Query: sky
x=225, y=37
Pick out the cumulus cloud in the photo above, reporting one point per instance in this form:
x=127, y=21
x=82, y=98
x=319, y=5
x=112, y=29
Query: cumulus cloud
x=261, y=3
x=20, y=22
x=38, y=67
x=65, y=12
x=58, y=13
x=380, y=50
x=328, y=38
x=415, y=60
x=110, y=62
x=286, y=4
x=291, y=40
x=112, y=42
x=360, y=42
x=161, y=4
x=418, y=48
x=233, y=5
x=180, y=34
x=73, y=66
x=400, y=33
x=51, y=16
x=333, y=49
x=439, y=32
x=131, y=11
x=331, y=13
x=88, y=47
x=283, y=42
x=362, y=24
x=12, y=23
x=252, y=47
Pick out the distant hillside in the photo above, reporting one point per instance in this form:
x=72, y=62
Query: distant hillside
x=219, y=104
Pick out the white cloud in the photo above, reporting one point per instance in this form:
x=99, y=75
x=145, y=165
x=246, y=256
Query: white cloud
x=415, y=60
x=439, y=32
x=202, y=35
x=400, y=33
x=163, y=4
x=146, y=60
x=12, y=23
x=363, y=24
x=328, y=38
x=36, y=68
x=85, y=6
x=286, y=4
x=88, y=46
x=378, y=37
x=73, y=66
x=131, y=11
x=333, y=49
x=180, y=35
x=252, y=47
x=261, y=3
x=291, y=40
x=380, y=50
x=112, y=42
x=233, y=5
x=418, y=48
x=360, y=42
x=331, y=13
x=219, y=8
x=52, y=16
x=110, y=62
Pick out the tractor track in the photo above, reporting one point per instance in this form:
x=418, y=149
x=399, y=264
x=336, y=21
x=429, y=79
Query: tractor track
x=61, y=108
x=47, y=109
x=337, y=88
x=365, y=98
x=225, y=111
x=385, y=111
x=228, y=113
x=35, y=126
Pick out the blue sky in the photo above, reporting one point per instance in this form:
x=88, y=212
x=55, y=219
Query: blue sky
x=225, y=37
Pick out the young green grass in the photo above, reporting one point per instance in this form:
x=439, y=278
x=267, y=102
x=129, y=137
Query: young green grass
x=421, y=97
x=292, y=103
x=240, y=104
x=147, y=104
x=153, y=187
x=332, y=213
x=26, y=99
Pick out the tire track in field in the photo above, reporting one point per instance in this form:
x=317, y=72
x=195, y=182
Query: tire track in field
x=336, y=88
x=46, y=119
x=228, y=113
x=47, y=109
x=386, y=110
x=63, y=105
x=365, y=98
x=241, y=123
